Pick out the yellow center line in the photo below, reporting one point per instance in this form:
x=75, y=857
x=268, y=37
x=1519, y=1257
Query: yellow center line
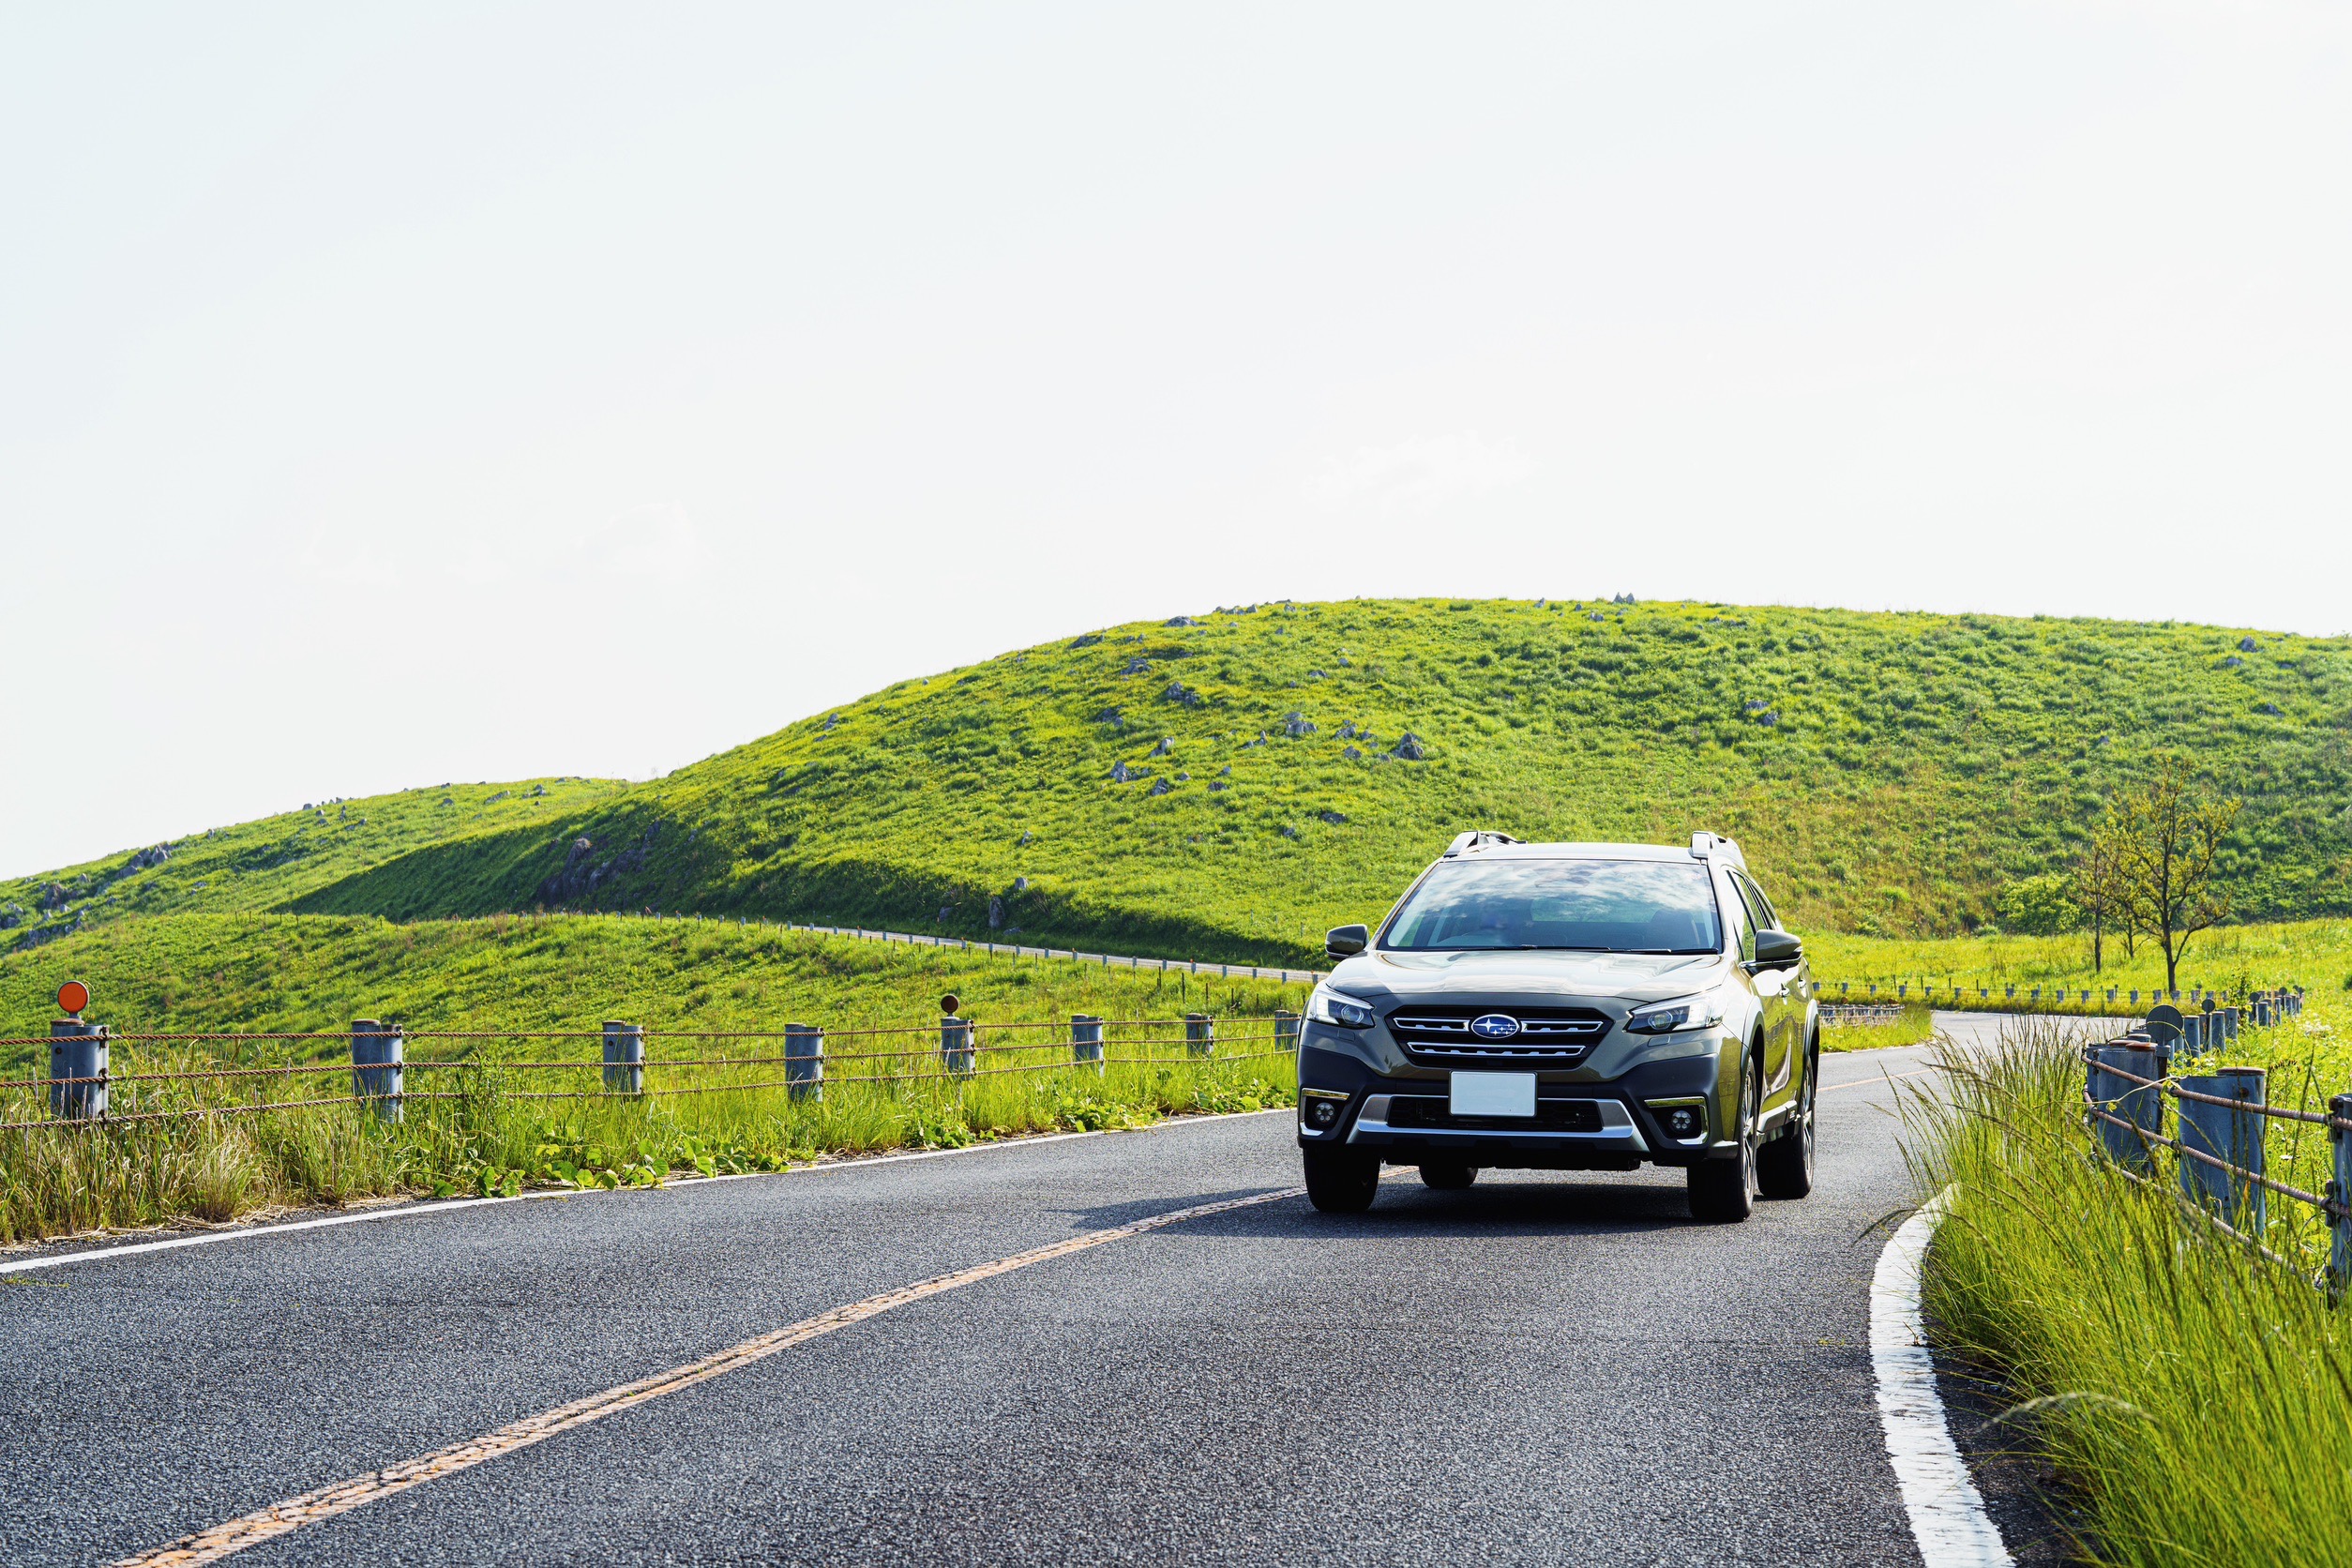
x=311, y=1508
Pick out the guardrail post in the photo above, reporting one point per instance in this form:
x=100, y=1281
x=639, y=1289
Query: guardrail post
x=804, y=1061
x=1287, y=1029
x=1086, y=1039
x=624, y=1058
x=2339, y=1200
x=375, y=1066
x=76, y=1050
x=2193, y=1041
x=2227, y=1133
x=1201, y=1035
x=956, y=1052
x=2142, y=1105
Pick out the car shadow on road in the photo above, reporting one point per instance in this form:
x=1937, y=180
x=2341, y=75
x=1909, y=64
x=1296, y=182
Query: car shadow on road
x=1503, y=1203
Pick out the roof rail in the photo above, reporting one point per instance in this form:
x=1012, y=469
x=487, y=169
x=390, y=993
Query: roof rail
x=1478, y=838
x=1713, y=846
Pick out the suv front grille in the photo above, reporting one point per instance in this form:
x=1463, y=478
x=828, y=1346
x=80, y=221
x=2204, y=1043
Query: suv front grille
x=1551, y=1116
x=1546, y=1036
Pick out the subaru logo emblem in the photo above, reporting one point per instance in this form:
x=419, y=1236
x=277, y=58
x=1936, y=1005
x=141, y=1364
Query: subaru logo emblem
x=1495, y=1025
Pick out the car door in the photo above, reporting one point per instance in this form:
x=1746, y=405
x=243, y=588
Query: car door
x=1743, y=946
x=1775, y=990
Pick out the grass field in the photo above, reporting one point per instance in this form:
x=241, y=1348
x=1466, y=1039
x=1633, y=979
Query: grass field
x=1913, y=1026
x=1888, y=775
x=2197, y=1396
x=682, y=980
x=258, y=973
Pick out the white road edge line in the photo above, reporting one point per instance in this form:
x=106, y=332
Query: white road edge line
x=1946, y=1513
x=445, y=1205
x=1880, y=1078
x=282, y=1518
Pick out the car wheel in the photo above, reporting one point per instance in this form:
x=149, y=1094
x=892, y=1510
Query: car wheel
x=1723, y=1192
x=1448, y=1178
x=1338, y=1183
x=1784, y=1167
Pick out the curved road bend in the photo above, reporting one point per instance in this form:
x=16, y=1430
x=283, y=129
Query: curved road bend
x=1544, y=1369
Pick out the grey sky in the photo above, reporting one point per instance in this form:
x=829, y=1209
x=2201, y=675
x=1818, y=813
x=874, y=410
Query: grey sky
x=408, y=392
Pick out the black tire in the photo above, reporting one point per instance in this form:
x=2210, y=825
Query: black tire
x=1448, y=1178
x=1784, y=1167
x=1339, y=1183
x=1723, y=1192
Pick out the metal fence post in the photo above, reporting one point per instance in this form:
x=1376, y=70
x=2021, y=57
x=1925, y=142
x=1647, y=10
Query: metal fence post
x=1287, y=1029
x=1201, y=1035
x=2143, y=1106
x=1086, y=1039
x=804, y=1061
x=2340, y=1199
x=625, y=1056
x=957, y=1051
x=376, y=1050
x=2192, y=1040
x=76, y=1050
x=2226, y=1133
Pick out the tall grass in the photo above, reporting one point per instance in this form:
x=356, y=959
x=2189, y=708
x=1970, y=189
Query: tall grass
x=2197, y=1394
x=490, y=1140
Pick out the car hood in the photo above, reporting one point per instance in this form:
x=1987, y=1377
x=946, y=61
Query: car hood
x=1635, y=976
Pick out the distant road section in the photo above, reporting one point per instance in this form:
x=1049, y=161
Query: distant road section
x=1108, y=960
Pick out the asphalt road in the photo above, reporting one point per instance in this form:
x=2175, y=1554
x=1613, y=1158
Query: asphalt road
x=1546, y=1369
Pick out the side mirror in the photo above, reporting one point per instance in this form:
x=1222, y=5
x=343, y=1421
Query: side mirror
x=1777, y=950
x=1346, y=942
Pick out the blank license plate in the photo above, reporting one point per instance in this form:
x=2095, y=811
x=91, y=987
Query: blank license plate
x=1494, y=1094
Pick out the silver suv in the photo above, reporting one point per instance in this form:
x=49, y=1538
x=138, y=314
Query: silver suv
x=1566, y=1007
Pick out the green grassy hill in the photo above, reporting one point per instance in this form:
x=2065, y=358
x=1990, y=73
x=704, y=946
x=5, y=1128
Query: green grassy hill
x=264, y=864
x=1227, y=787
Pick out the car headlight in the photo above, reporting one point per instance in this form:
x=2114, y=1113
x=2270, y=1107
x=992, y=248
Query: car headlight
x=1327, y=1007
x=1672, y=1018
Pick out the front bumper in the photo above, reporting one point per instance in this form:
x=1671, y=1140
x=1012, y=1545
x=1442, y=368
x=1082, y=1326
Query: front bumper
x=1612, y=1124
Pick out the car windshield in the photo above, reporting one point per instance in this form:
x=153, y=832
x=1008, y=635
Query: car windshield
x=1605, y=905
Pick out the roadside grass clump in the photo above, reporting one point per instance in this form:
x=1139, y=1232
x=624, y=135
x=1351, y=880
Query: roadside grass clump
x=490, y=1138
x=2196, y=1395
x=1913, y=1026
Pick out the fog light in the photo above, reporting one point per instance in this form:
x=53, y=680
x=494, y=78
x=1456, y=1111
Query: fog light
x=1320, y=1109
x=1683, y=1121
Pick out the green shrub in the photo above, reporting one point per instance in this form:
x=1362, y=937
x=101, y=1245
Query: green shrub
x=2040, y=906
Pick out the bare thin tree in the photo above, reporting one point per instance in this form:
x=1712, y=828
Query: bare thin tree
x=2098, y=890
x=2166, y=838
